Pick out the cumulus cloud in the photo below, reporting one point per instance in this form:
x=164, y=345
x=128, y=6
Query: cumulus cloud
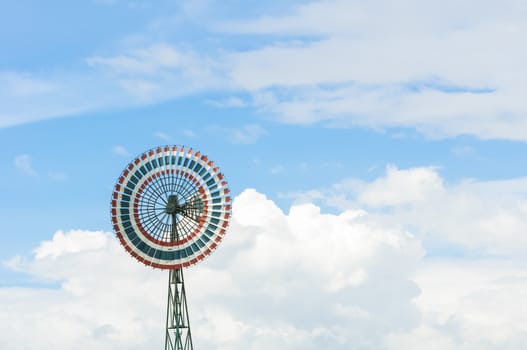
x=73, y=242
x=300, y=280
x=469, y=305
x=99, y=304
x=401, y=186
x=477, y=217
x=484, y=217
x=474, y=301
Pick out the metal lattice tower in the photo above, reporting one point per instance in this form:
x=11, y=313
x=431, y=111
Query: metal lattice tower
x=178, y=335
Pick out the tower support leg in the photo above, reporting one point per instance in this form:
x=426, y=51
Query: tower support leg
x=178, y=335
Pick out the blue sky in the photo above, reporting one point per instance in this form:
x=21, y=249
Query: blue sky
x=409, y=115
x=74, y=162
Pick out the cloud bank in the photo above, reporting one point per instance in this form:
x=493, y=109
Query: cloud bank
x=297, y=280
x=300, y=280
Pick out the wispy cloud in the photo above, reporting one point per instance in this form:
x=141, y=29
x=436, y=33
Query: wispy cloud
x=277, y=169
x=133, y=77
x=24, y=85
x=148, y=60
x=376, y=69
x=57, y=176
x=163, y=136
x=337, y=63
x=120, y=151
x=159, y=71
x=249, y=133
x=244, y=134
x=24, y=164
x=231, y=102
x=462, y=150
x=188, y=133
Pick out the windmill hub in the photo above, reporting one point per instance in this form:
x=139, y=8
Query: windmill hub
x=173, y=206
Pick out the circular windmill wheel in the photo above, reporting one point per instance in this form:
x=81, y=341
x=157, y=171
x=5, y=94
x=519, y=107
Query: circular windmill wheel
x=170, y=207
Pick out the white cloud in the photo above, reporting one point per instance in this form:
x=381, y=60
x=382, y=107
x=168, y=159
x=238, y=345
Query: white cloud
x=24, y=164
x=74, y=242
x=473, y=215
x=442, y=68
x=433, y=112
x=159, y=71
x=302, y=280
x=24, y=85
x=479, y=217
x=120, y=151
x=188, y=133
x=146, y=60
x=469, y=302
x=400, y=187
x=379, y=65
x=27, y=97
x=379, y=43
x=142, y=89
x=231, y=102
x=469, y=305
x=249, y=133
x=57, y=176
x=163, y=136
x=462, y=151
x=291, y=281
x=98, y=305
x=135, y=77
x=277, y=169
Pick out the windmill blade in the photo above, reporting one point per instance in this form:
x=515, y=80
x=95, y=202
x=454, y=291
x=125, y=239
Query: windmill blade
x=165, y=190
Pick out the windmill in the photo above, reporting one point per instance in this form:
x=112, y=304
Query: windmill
x=170, y=209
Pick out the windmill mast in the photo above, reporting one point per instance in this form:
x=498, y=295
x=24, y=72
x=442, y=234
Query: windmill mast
x=178, y=335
